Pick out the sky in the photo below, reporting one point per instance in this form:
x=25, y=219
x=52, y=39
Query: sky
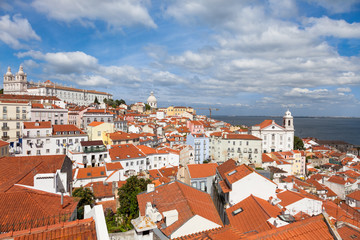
x=248, y=57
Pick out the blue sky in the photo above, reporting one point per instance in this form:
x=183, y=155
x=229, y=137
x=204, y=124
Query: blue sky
x=244, y=57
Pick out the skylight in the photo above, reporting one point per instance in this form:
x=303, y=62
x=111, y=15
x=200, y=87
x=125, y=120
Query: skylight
x=237, y=211
x=128, y=156
x=232, y=172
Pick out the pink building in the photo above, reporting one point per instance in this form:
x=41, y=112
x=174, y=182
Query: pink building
x=195, y=127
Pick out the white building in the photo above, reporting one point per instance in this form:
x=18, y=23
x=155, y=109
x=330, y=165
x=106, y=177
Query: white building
x=18, y=84
x=42, y=138
x=243, y=148
x=275, y=138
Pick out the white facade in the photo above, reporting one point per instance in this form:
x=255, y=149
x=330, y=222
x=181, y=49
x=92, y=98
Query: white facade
x=276, y=138
x=18, y=84
x=254, y=184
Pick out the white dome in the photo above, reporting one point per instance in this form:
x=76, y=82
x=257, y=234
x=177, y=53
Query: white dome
x=151, y=98
x=8, y=73
x=21, y=70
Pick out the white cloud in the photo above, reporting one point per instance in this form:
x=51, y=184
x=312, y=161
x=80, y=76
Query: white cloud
x=344, y=90
x=116, y=13
x=64, y=62
x=94, y=81
x=328, y=27
x=16, y=29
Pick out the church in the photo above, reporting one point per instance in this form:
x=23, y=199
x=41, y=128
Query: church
x=276, y=138
x=18, y=84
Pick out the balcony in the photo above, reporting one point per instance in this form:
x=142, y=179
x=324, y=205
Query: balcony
x=93, y=150
x=5, y=138
x=39, y=144
x=5, y=128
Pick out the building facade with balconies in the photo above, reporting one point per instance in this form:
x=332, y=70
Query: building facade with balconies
x=43, y=138
x=13, y=114
x=89, y=154
x=243, y=148
x=42, y=112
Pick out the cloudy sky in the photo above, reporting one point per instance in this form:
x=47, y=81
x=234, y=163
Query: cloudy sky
x=243, y=57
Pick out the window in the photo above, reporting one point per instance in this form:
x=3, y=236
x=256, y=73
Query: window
x=47, y=150
x=38, y=152
x=18, y=134
x=4, y=109
x=99, y=133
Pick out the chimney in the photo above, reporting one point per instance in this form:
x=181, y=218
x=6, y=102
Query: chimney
x=171, y=217
x=150, y=188
x=62, y=199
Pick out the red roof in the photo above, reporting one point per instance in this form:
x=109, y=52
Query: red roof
x=253, y=216
x=118, y=136
x=311, y=228
x=238, y=173
x=92, y=172
x=101, y=189
x=94, y=124
x=32, y=208
x=21, y=170
x=113, y=166
x=241, y=136
x=59, y=129
x=267, y=123
x=3, y=143
x=125, y=151
x=337, y=180
x=79, y=229
x=33, y=125
x=355, y=195
x=266, y=158
x=202, y=170
x=225, y=167
x=148, y=150
x=187, y=200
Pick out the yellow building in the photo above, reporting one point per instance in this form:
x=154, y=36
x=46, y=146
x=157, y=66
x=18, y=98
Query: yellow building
x=178, y=111
x=96, y=130
x=120, y=137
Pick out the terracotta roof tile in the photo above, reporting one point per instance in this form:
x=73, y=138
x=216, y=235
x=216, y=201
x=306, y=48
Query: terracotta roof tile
x=101, y=189
x=348, y=233
x=68, y=128
x=187, y=200
x=25, y=205
x=355, y=195
x=94, y=124
x=238, y=173
x=79, y=229
x=125, y=151
x=114, y=166
x=311, y=228
x=118, y=136
x=21, y=170
x=225, y=167
x=92, y=172
x=337, y=180
x=253, y=216
x=202, y=170
x=3, y=143
x=34, y=125
x=241, y=136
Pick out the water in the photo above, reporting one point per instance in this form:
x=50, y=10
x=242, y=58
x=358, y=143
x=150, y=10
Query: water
x=324, y=128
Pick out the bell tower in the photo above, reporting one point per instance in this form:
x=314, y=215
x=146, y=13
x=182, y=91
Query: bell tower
x=8, y=81
x=288, y=121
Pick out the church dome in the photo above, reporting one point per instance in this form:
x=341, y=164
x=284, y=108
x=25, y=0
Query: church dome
x=151, y=98
x=21, y=70
x=8, y=73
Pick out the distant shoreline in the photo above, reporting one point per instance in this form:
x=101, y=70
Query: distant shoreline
x=214, y=116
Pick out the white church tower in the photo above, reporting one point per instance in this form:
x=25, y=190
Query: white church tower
x=288, y=124
x=15, y=84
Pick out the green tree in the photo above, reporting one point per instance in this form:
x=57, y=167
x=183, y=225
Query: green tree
x=147, y=107
x=105, y=100
x=96, y=101
x=86, y=198
x=298, y=143
x=129, y=208
x=2, y=91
